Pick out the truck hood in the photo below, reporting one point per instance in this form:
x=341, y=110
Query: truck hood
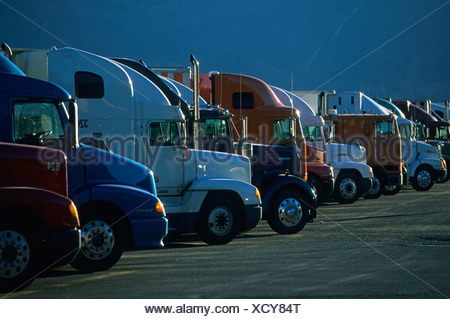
x=337, y=152
x=103, y=167
x=222, y=165
x=422, y=150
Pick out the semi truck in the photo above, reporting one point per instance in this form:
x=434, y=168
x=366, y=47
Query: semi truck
x=380, y=137
x=135, y=119
x=116, y=198
x=39, y=226
x=274, y=168
x=429, y=141
x=353, y=177
x=269, y=122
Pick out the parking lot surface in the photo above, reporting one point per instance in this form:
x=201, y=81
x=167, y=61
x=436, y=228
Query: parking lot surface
x=392, y=247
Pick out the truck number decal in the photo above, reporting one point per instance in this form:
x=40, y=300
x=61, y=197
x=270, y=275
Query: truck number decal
x=53, y=166
x=83, y=123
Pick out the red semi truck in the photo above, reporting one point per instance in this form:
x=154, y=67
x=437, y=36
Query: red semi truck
x=39, y=225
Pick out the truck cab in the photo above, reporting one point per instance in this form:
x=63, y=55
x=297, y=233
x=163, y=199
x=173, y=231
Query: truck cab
x=115, y=197
x=269, y=122
x=379, y=135
x=39, y=225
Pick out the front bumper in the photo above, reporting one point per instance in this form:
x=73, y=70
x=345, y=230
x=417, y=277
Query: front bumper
x=253, y=214
x=150, y=231
x=327, y=186
x=366, y=185
x=63, y=246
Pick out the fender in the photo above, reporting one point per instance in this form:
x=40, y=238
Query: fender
x=363, y=169
x=246, y=192
x=142, y=203
x=53, y=207
x=272, y=183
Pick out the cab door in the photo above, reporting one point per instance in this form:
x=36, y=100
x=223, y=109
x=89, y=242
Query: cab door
x=166, y=156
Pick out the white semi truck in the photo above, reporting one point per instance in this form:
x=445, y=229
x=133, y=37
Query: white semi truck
x=133, y=117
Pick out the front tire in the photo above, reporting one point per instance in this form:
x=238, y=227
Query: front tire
x=102, y=241
x=347, y=189
x=218, y=221
x=19, y=254
x=424, y=179
x=391, y=190
x=315, y=182
x=288, y=213
x=377, y=187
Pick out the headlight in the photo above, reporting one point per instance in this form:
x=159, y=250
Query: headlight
x=257, y=193
x=160, y=208
x=73, y=210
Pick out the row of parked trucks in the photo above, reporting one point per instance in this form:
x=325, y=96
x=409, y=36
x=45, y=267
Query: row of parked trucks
x=135, y=160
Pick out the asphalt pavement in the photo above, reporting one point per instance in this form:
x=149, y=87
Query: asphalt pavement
x=394, y=247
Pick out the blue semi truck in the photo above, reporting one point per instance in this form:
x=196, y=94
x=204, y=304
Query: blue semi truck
x=116, y=198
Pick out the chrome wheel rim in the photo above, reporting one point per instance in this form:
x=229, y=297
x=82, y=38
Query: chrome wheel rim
x=97, y=239
x=424, y=178
x=14, y=254
x=290, y=212
x=348, y=188
x=220, y=221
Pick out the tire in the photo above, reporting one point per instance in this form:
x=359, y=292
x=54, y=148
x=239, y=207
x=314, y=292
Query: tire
x=218, y=221
x=347, y=188
x=390, y=190
x=288, y=213
x=423, y=179
x=19, y=254
x=443, y=179
x=315, y=183
x=377, y=188
x=102, y=241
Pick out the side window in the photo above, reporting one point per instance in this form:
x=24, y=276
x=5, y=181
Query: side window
x=164, y=134
x=89, y=86
x=37, y=124
x=244, y=100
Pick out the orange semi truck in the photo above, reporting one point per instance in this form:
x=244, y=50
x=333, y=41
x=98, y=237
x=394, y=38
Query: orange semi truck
x=39, y=226
x=380, y=136
x=268, y=121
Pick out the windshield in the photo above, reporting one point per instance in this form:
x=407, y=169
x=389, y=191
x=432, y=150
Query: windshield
x=38, y=123
x=214, y=128
x=442, y=133
x=405, y=131
x=420, y=133
x=312, y=133
x=283, y=128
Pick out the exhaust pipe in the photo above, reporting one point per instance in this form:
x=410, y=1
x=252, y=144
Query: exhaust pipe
x=196, y=89
x=446, y=111
x=7, y=50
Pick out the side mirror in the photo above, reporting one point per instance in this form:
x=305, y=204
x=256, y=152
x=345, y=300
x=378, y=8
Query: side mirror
x=73, y=124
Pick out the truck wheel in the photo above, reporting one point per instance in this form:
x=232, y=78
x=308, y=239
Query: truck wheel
x=424, y=179
x=443, y=179
x=218, y=221
x=19, y=255
x=102, y=242
x=348, y=188
x=314, y=182
x=376, y=189
x=391, y=190
x=288, y=213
